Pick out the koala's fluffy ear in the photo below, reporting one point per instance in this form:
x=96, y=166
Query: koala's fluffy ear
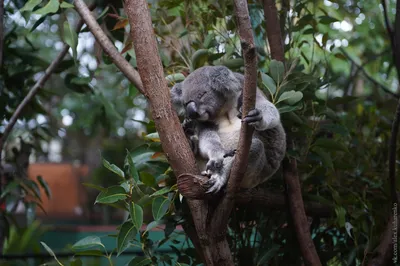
x=177, y=98
x=223, y=80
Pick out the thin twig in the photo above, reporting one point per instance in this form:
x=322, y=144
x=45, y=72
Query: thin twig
x=108, y=46
x=32, y=92
x=368, y=76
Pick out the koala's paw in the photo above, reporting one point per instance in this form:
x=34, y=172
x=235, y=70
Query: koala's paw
x=254, y=118
x=215, y=183
x=214, y=164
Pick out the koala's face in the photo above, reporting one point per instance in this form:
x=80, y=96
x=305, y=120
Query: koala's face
x=202, y=103
x=208, y=91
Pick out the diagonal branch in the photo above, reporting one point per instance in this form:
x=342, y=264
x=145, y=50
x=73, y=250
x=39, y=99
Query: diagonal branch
x=108, y=46
x=38, y=85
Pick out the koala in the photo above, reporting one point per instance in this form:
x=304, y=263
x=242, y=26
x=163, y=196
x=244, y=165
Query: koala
x=211, y=96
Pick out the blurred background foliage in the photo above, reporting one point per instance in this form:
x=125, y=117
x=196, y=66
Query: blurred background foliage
x=337, y=100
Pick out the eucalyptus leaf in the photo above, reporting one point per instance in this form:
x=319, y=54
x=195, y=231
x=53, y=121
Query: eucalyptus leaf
x=88, y=243
x=50, y=251
x=30, y=5
x=160, y=207
x=132, y=168
x=71, y=38
x=51, y=7
x=269, y=83
x=113, y=168
x=136, y=215
x=126, y=234
x=277, y=71
x=44, y=185
x=140, y=261
x=291, y=97
x=111, y=195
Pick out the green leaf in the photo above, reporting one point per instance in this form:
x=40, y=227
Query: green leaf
x=66, y=5
x=288, y=108
x=327, y=20
x=51, y=7
x=341, y=215
x=291, y=97
x=76, y=262
x=269, y=83
x=330, y=144
x=111, y=195
x=113, y=168
x=132, y=169
x=126, y=234
x=161, y=192
x=154, y=224
x=99, y=188
x=44, y=185
x=30, y=5
x=87, y=243
x=277, y=70
x=199, y=58
x=269, y=254
x=325, y=157
x=175, y=78
x=70, y=37
x=136, y=215
x=147, y=179
x=140, y=261
x=37, y=23
x=48, y=249
x=160, y=207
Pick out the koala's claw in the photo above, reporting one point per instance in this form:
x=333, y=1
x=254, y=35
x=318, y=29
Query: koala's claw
x=253, y=116
x=230, y=153
x=215, y=183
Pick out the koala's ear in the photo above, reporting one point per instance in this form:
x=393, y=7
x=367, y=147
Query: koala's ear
x=223, y=80
x=177, y=98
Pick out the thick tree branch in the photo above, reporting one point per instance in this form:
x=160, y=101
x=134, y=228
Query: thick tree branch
x=32, y=92
x=123, y=65
x=193, y=187
x=368, y=76
x=291, y=178
x=172, y=137
x=384, y=252
x=273, y=29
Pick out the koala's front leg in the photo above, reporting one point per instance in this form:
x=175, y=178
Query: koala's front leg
x=219, y=178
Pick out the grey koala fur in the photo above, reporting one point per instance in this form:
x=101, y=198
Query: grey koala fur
x=210, y=99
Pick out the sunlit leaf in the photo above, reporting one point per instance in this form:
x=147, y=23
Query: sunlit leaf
x=65, y=4
x=70, y=37
x=51, y=7
x=30, y=5
x=291, y=97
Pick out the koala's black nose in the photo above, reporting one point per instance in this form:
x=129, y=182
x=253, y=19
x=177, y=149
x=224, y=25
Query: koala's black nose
x=191, y=110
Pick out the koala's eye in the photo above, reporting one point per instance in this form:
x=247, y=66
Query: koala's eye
x=201, y=95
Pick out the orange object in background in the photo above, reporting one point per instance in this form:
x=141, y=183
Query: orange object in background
x=65, y=182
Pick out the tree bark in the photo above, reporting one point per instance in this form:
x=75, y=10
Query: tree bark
x=291, y=178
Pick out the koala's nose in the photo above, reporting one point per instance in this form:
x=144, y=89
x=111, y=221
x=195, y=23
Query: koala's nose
x=191, y=110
